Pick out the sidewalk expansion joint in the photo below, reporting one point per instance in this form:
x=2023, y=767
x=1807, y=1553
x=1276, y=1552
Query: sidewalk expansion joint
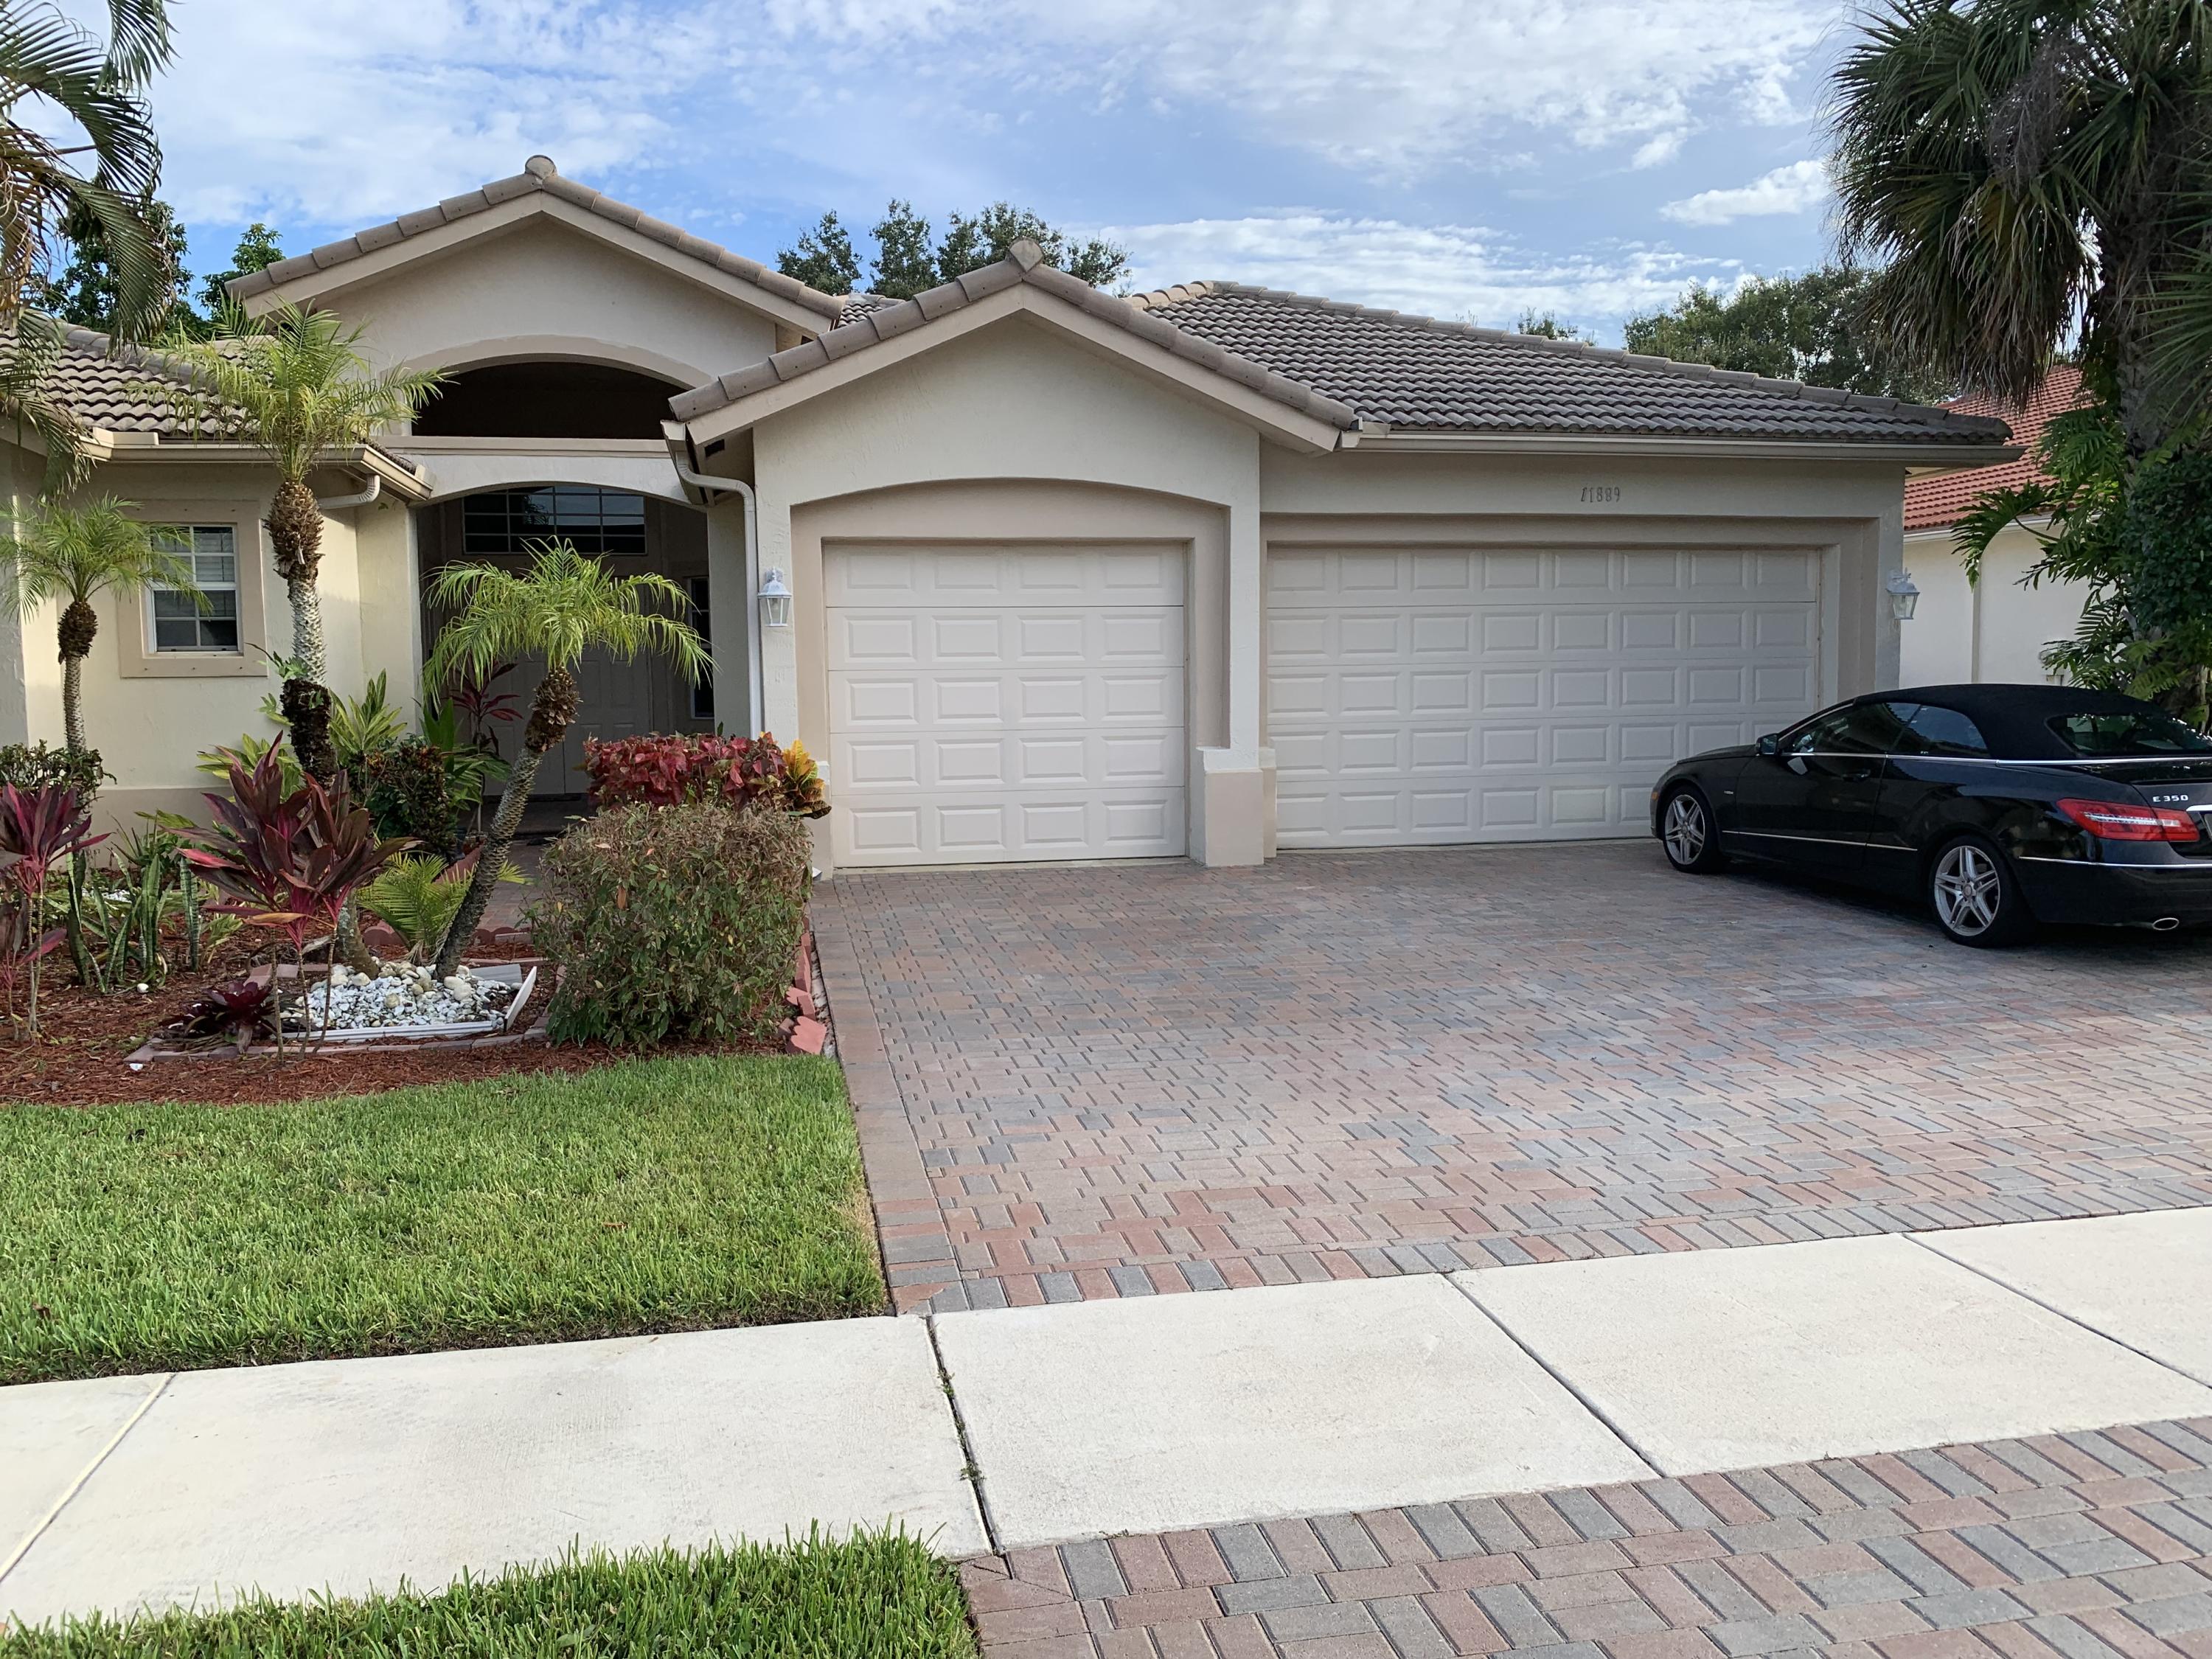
x=2048, y=1307
x=15, y=1556
x=970, y=1471
x=1565, y=1381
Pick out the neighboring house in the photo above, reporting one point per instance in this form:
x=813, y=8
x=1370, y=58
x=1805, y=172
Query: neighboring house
x=1996, y=628
x=1209, y=570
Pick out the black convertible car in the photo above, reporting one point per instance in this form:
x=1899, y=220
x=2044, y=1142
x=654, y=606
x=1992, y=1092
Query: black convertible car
x=2002, y=805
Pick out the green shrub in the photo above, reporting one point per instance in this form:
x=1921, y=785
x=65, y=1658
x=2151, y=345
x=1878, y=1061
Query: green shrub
x=671, y=922
x=407, y=790
x=29, y=765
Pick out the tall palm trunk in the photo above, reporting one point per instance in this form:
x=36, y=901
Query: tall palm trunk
x=295, y=538
x=551, y=712
x=73, y=703
x=79, y=623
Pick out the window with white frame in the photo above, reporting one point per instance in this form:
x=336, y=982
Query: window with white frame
x=179, y=624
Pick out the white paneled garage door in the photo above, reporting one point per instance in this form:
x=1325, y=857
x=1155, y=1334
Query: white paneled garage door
x=1443, y=695
x=1005, y=702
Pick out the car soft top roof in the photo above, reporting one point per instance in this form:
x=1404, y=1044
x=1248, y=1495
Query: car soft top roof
x=2016, y=719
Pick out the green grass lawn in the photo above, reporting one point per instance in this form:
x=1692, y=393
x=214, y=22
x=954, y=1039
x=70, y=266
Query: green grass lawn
x=651, y=1195
x=870, y=1597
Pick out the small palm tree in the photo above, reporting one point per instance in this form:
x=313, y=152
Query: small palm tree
x=295, y=384
x=71, y=554
x=2022, y=169
x=564, y=605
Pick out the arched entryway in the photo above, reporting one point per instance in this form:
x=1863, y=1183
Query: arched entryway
x=633, y=533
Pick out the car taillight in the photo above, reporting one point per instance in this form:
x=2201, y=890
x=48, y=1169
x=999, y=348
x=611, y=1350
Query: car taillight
x=2112, y=820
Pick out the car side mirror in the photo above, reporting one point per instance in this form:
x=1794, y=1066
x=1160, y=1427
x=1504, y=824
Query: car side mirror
x=1770, y=746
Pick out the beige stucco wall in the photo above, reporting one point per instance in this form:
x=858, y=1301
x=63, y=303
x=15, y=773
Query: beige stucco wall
x=541, y=288
x=1991, y=631
x=1017, y=405
x=1015, y=431
x=150, y=728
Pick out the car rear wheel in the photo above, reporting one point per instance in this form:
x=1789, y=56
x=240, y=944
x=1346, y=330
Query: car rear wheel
x=1685, y=830
x=1975, y=898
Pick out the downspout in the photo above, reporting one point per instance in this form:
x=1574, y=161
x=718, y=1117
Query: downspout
x=340, y=503
x=704, y=482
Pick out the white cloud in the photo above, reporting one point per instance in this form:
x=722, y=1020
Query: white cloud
x=1793, y=189
x=1462, y=272
x=347, y=110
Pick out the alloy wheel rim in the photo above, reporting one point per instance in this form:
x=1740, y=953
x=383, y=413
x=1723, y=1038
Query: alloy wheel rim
x=1685, y=830
x=1967, y=892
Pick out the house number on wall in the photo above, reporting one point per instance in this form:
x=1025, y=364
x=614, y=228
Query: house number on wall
x=1600, y=492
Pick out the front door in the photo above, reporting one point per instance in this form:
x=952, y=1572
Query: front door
x=1813, y=801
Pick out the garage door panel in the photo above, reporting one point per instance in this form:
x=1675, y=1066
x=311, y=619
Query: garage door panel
x=1008, y=702
x=1585, y=673
x=922, y=578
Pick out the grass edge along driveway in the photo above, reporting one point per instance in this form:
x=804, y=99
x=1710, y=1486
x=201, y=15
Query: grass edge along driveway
x=878, y=1596
x=647, y=1195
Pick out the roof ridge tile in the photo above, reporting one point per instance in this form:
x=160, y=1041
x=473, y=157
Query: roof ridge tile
x=539, y=175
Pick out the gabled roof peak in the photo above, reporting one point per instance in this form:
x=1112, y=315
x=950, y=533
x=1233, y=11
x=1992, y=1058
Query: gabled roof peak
x=539, y=175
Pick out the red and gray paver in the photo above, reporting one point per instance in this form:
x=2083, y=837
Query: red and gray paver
x=2087, y=1545
x=1119, y=1080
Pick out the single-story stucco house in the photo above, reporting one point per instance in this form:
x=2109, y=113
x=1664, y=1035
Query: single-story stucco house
x=1210, y=571
x=1996, y=628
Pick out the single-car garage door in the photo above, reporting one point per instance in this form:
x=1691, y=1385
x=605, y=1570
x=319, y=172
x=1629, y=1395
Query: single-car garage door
x=1005, y=703
x=1441, y=694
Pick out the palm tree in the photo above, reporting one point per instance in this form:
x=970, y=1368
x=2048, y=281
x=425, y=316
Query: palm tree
x=564, y=605
x=2023, y=169
x=50, y=66
x=295, y=384
x=72, y=554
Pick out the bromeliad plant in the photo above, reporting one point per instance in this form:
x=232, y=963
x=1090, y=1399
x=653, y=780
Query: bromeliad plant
x=289, y=859
x=42, y=827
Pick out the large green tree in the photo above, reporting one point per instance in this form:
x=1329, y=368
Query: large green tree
x=910, y=255
x=258, y=249
x=1806, y=328
x=88, y=290
x=2026, y=173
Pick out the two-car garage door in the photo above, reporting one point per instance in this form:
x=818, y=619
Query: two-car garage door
x=992, y=702
x=1427, y=695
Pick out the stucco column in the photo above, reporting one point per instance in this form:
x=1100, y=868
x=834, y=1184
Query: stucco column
x=1888, y=632
x=1234, y=814
x=780, y=645
x=730, y=588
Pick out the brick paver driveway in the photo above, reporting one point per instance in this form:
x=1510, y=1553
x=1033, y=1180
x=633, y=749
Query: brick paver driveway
x=1144, y=1078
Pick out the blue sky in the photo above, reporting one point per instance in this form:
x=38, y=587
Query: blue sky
x=1464, y=158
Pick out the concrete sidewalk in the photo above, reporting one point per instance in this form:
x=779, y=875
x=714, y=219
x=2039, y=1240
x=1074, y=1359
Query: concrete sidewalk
x=1086, y=1420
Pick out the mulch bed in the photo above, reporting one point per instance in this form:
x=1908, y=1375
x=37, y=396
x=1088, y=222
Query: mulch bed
x=85, y=1038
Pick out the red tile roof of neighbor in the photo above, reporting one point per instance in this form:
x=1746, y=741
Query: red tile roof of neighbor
x=1944, y=498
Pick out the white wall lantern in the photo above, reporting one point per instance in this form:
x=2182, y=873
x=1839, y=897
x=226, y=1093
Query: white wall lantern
x=1904, y=596
x=775, y=601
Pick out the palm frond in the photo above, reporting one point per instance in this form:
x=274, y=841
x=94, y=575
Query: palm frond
x=295, y=383
x=69, y=554
x=564, y=604
x=29, y=351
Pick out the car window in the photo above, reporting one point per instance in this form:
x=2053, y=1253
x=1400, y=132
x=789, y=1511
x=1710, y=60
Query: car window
x=1944, y=732
x=1864, y=728
x=2144, y=730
